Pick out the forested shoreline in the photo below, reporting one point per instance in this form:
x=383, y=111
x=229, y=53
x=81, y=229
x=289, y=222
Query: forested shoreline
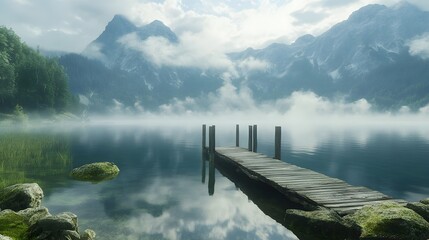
x=30, y=82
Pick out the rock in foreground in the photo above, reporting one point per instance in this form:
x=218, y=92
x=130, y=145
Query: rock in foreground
x=390, y=220
x=320, y=224
x=36, y=223
x=21, y=196
x=95, y=172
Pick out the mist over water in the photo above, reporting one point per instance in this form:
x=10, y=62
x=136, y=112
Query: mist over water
x=159, y=193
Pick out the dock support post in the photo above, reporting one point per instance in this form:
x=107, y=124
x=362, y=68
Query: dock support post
x=203, y=143
x=203, y=168
x=212, y=139
x=250, y=138
x=255, y=138
x=237, y=135
x=277, y=142
x=211, y=184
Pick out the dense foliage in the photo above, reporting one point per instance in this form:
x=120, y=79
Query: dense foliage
x=28, y=79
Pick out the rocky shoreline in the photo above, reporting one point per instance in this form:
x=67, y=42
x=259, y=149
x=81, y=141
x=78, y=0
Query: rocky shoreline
x=22, y=217
x=384, y=221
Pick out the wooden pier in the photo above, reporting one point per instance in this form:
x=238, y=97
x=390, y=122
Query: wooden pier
x=307, y=187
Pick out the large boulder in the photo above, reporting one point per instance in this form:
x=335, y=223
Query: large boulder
x=320, y=224
x=390, y=220
x=61, y=226
x=32, y=215
x=21, y=196
x=13, y=225
x=95, y=172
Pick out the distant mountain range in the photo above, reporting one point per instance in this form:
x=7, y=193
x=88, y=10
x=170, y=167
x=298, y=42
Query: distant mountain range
x=374, y=54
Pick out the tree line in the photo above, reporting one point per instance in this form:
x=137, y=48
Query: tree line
x=30, y=80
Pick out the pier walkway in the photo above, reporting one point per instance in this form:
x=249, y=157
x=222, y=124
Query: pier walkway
x=305, y=186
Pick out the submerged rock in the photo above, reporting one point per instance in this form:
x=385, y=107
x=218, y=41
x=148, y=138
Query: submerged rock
x=13, y=225
x=390, y=220
x=21, y=196
x=320, y=224
x=95, y=172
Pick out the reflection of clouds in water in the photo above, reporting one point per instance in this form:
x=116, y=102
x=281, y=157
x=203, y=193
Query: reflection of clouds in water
x=418, y=194
x=187, y=212
x=217, y=217
x=311, y=138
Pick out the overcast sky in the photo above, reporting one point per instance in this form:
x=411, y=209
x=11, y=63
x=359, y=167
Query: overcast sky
x=217, y=25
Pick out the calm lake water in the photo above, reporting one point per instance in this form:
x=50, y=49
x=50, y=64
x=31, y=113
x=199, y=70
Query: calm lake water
x=159, y=193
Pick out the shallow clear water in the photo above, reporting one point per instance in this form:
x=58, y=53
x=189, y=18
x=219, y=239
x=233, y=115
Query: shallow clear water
x=159, y=192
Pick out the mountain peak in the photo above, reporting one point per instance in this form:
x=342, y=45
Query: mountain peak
x=120, y=22
x=116, y=28
x=157, y=28
x=157, y=23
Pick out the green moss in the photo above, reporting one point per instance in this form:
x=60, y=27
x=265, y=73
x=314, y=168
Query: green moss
x=390, y=220
x=321, y=224
x=13, y=225
x=95, y=172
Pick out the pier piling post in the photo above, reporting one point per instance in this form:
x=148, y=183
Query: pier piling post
x=212, y=139
x=250, y=138
x=277, y=142
x=255, y=138
x=203, y=143
x=237, y=135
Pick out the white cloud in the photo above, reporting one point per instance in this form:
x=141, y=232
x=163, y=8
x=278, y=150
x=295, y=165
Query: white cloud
x=420, y=46
x=252, y=64
x=94, y=51
x=214, y=26
x=186, y=53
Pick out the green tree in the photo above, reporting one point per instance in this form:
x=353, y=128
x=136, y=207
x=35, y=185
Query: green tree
x=7, y=79
x=29, y=79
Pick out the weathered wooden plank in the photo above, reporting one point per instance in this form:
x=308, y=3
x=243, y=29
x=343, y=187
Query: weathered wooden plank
x=289, y=181
x=353, y=204
x=314, y=186
x=349, y=200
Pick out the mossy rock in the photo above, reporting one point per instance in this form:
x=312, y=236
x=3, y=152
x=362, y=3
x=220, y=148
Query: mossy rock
x=95, y=172
x=420, y=208
x=13, y=225
x=55, y=227
x=21, y=196
x=390, y=220
x=322, y=224
x=425, y=201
